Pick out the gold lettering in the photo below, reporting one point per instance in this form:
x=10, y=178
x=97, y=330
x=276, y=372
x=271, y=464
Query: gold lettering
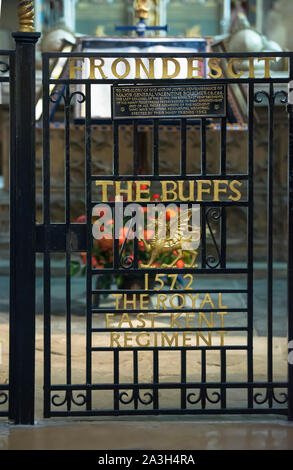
x=207, y=341
x=230, y=68
x=125, y=319
x=138, y=336
x=181, y=196
x=202, y=316
x=114, y=68
x=218, y=190
x=180, y=296
x=149, y=73
x=139, y=191
x=191, y=68
x=222, y=333
x=127, y=340
x=94, y=66
x=104, y=185
x=166, y=61
x=73, y=68
x=201, y=190
x=109, y=317
x=127, y=191
x=235, y=190
x=169, y=341
x=174, y=317
x=214, y=65
x=267, y=64
x=166, y=191
x=114, y=337
x=185, y=338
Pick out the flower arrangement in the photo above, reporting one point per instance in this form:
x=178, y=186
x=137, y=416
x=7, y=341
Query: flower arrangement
x=102, y=253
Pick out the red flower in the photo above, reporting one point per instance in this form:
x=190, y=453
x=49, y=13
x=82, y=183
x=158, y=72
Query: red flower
x=156, y=197
x=81, y=219
x=94, y=262
x=180, y=264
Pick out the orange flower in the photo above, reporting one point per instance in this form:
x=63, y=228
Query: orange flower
x=170, y=213
x=180, y=264
x=156, y=197
x=83, y=255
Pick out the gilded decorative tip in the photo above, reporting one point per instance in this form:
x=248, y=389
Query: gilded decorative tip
x=26, y=16
x=141, y=10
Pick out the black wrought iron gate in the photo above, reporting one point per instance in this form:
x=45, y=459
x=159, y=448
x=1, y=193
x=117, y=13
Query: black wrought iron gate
x=162, y=374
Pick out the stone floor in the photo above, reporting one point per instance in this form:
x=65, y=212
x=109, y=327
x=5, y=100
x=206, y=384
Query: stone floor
x=239, y=433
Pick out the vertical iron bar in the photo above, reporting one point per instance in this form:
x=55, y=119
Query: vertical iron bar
x=68, y=242
x=203, y=377
x=203, y=172
x=136, y=163
x=290, y=242
x=223, y=209
x=22, y=247
x=183, y=379
x=250, y=241
x=223, y=378
x=183, y=147
x=156, y=148
x=115, y=173
x=135, y=148
x=203, y=147
x=156, y=378
x=89, y=285
x=47, y=258
x=270, y=241
x=13, y=222
x=135, y=378
x=116, y=379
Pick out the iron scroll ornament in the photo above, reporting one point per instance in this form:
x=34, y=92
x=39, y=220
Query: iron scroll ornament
x=135, y=397
x=213, y=214
x=271, y=97
x=4, y=67
x=261, y=398
x=202, y=396
x=3, y=398
x=67, y=97
x=69, y=399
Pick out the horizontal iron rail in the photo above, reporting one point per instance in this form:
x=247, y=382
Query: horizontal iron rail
x=169, y=310
x=187, y=177
x=141, y=54
x=175, y=291
x=173, y=348
x=175, y=411
x=175, y=330
x=173, y=82
x=166, y=385
x=216, y=271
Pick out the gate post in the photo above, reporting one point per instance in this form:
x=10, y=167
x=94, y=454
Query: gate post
x=22, y=227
